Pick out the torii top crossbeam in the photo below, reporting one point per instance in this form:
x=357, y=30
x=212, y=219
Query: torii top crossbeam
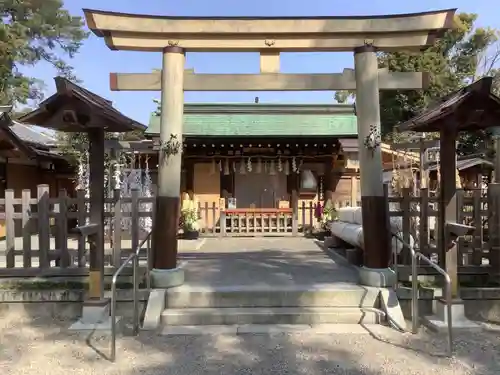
x=138, y=32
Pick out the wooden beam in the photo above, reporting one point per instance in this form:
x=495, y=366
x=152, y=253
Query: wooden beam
x=99, y=21
x=269, y=62
x=153, y=33
x=302, y=43
x=267, y=81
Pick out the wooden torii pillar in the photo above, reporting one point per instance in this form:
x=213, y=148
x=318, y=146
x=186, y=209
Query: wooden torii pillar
x=363, y=35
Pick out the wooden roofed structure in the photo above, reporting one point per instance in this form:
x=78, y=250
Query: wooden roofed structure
x=74, y=109
x=471, y=108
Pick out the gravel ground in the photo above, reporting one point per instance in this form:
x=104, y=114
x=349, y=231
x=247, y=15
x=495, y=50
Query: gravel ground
x=43, y=347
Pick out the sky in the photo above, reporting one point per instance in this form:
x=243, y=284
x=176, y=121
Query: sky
x=95, y=61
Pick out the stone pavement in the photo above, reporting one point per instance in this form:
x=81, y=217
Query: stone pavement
x=263, y=261
x=42, y=347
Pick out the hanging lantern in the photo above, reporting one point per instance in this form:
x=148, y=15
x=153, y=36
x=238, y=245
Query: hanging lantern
x=272, y=171
x=308, y=181
x=259, y=166
x=226, y=168
x=287, y=168
x=242, y=167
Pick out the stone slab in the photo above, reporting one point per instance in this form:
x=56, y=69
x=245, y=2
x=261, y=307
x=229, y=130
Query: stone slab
x=326, y=329
x=439, y=320
x=154, y=308
x=104, y=325
x=282, y=315
x=390, y=304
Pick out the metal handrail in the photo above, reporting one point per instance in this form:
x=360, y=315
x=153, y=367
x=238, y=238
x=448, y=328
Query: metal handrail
x=134, y=257
x=414, y=289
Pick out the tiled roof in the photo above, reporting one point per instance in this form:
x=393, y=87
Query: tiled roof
x=68, y=92
x=265, y=120
x=29, y=133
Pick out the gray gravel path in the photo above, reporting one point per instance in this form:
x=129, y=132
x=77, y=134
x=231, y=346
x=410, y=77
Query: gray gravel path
x=42, y=347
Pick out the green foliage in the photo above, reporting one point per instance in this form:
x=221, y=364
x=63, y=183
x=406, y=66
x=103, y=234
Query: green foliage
x=462, y=56
x=34, y=31
x=73, y=144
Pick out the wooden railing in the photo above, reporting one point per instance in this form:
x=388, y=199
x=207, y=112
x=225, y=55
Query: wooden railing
x=478, y=254
x=215, y=221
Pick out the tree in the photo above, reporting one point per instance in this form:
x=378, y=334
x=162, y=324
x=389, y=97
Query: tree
x=73, y=144
x=33, y=31
x=460, y=57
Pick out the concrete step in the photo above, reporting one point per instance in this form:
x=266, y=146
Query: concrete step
x=342, y=295
x=268, y=315
x=339, y=329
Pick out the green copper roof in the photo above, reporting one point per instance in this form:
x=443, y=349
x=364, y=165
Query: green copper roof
x=265, y=120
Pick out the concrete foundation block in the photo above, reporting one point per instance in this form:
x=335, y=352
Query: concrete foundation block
x=164, y=279
x=377, y=277
x=439, y=321
x=95, y=316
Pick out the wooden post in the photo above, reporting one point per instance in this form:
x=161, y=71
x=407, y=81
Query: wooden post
x=81, y=208
x=134, y=216
x=26, y=223
x=10, y=229
x=117, y=228
x=423, y=163
x=494, y=225
x=497, y=157
x=96, y=187
x=295, y=212
x=377, y=253
x=169, y=169
x=424, y=220
x=448, y=252
x=62, y=229
x=43, y=226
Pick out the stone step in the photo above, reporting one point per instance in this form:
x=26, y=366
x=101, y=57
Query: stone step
x=338, y=329
x=345, y=295
x=268, y=315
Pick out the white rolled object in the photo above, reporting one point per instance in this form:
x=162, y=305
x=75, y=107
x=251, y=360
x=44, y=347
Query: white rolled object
x=357, y=217
x=346, y=214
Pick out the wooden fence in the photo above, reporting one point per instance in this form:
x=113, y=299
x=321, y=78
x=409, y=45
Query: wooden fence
x=478, y=253
x=249, y=222
x=39, y=236
x=39, y=240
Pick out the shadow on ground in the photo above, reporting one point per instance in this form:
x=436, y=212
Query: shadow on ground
x=30, y=345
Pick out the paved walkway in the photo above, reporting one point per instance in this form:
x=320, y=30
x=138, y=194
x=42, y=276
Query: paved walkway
x=42, y=347
x=262, y=261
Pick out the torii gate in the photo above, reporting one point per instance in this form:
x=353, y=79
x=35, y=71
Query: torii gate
x=364, y=35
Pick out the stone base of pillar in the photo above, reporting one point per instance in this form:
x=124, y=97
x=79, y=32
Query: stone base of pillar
x=377, y=277
x=164, y=279
x=439, y=321
x=95, y=316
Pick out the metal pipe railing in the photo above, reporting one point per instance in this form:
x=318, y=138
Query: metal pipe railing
x=416, y=255
x=134, y=258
